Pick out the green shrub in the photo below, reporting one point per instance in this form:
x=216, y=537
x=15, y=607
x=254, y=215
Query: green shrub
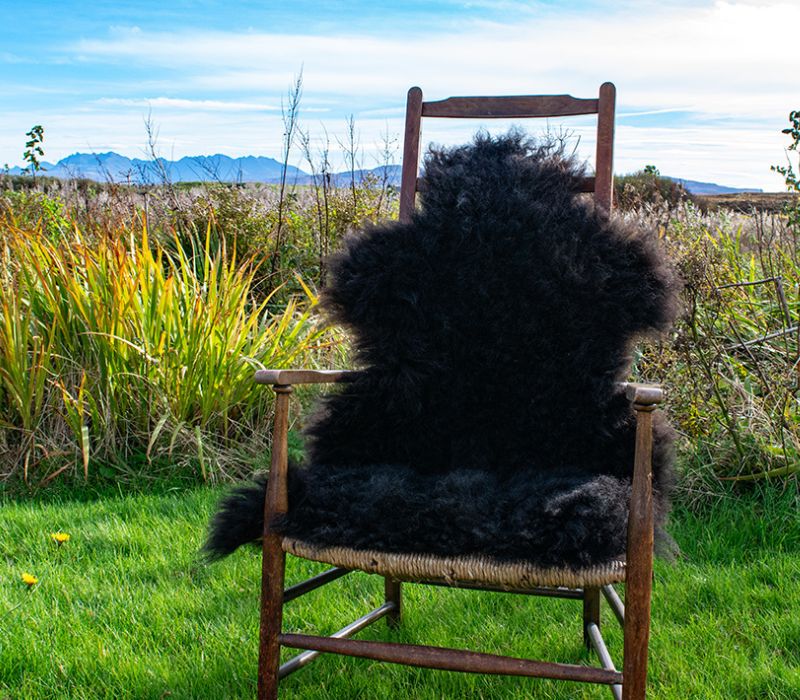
x=37, y=209
x=648, y=188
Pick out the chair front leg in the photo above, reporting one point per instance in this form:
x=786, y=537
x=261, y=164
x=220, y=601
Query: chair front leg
x=273, y=557
x=272, y=579
x=639, y=566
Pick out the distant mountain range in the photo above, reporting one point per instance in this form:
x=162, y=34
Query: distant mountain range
x=695, y=187
x=112, y=167
x=105, y=167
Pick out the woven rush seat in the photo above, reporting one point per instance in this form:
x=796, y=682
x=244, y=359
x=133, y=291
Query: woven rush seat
x=508, y=575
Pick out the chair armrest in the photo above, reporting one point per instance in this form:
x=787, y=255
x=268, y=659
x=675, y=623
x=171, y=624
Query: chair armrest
x=287, y=377
x=277, y=499
x=642, y=394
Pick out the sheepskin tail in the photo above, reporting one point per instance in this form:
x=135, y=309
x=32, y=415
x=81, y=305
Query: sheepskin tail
x=239, y=520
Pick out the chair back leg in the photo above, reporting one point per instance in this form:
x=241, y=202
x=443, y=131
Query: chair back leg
x=393, y=594
x=591, y=613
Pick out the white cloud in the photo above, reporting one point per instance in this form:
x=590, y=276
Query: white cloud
x=709, y=53
x=196, y=105
x=8, y=57
x=721, y=64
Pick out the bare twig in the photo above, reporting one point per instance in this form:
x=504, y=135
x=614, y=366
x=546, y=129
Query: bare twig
x=388, y=152
x=756, y=341
x=321, y=180
x=745, y=284
x=289, y=113
x=782, y=299
x=350, y=150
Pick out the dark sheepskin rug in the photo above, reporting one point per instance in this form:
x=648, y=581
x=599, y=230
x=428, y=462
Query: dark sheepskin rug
x=490, y=332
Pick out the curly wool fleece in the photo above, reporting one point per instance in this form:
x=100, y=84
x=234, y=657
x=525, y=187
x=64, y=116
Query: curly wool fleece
x=490, y=332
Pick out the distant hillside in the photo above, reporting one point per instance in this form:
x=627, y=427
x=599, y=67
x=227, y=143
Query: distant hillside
x=708, y=188
x=391, y=173
x=104, y=167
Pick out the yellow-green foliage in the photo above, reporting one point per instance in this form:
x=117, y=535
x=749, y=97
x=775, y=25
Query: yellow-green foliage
x=114, y=346
x=732, y=366
x=125, y=346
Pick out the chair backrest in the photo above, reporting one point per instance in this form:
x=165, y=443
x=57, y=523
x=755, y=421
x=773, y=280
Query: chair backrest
x=511, y=107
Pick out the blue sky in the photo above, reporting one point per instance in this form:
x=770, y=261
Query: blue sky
x=704, y=87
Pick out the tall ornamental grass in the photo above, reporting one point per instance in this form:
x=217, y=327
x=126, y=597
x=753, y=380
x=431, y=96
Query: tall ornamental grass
x=118, y=350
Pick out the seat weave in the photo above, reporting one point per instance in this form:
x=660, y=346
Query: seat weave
x=509, y=575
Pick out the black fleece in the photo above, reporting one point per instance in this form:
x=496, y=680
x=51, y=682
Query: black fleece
x=489, y=331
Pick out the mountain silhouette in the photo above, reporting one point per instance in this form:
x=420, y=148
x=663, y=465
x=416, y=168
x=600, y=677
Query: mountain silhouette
x=112, y=167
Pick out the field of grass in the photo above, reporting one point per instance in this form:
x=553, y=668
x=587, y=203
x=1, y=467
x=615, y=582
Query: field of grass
x=130, y=323
x=124, y=609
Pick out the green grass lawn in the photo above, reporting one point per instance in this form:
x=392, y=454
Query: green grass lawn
x=124, y=610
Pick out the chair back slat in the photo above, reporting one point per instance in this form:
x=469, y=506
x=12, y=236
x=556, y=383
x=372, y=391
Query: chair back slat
x=513, y=107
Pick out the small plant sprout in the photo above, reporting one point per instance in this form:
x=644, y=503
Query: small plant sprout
x=791, y=178
x=33, y=150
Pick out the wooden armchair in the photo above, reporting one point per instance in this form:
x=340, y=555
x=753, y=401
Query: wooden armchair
x=586, y=585
x=613, y=313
